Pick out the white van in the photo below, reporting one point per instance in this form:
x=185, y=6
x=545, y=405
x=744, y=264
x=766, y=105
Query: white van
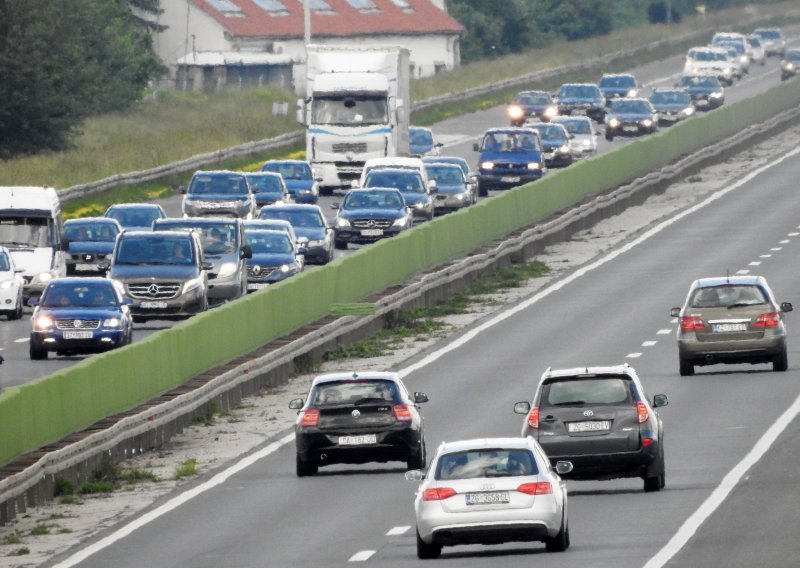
x=30, y=227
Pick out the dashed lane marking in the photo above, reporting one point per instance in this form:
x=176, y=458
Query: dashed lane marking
x=362, y=556
x=396, y=531
x=633, y=355
x=649, y=343
x=665, y=331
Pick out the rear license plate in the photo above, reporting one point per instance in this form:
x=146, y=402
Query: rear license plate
x=153, y=305
x=371, y=232
x=358, y=440
x=728, y=327
x=487, y=498
x=78, y=334
x=510, y=179
x=86, y=267
x=257, y=286
x=590, y=426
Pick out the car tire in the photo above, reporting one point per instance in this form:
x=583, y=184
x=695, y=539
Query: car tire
x=418, y=460
x=560, y=542
x=781, y=361
x=304, y=468
x=16, y=313
x=657, y=482
x=609, y=136
x=427, y=551
x=340, y=245
x=483, y=191
x=686, y=368
x=36, y=352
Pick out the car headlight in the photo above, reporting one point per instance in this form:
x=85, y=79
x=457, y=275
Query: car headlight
x=44, y=276
x=632, y=93
x=727, y=72
x=305, y=191
x=533, y=165
x=647, y=122
x=744, y=59
x=226, y=269
x=688, y=111
x=790, y=66
x=587, y=143
x=564, y=149
x=400, y=222
x=6, y=284
x=191, y=285
x=419, y=205
x=459, y=196
x=342, y=222
x=43, y=323
x=515, y=112
x=316, y=243
x=613, y=122
x=112, y=322
x=550, y=112
x=285, y=268
x=716, y=95
x=487, y=165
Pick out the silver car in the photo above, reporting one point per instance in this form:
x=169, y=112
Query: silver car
x=491, y=491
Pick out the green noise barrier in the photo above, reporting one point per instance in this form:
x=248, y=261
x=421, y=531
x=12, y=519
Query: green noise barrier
x=46, y=409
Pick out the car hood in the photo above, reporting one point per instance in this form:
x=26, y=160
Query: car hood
x=80, y=312
x=627, y=116
x=533, y=108
x=298, y=184
x=32, y=260
x=420, y=148
x=217, y=197
x=512, y=157
x=670, y=107
x=701, y=90
x=82, y=247
x=551, y=144
x=580, y=100
x=271, y=259
x=311, y=233
x=371, y=213
x=152, y=271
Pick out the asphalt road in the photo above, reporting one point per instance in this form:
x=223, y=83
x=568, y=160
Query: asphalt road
x=613, y=310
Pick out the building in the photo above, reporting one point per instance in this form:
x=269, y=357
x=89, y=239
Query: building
x=210, y=43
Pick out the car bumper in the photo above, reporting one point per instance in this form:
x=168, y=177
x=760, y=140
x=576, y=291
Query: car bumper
x=489, y=526
x=629, y=129
x=310, y=198
x=182, y=307
x=606, y=465
x=761, y=350
x=228, y=288
x=507, y=181
x=350, y=235
x=323, y=447
x=558, y=159
x=317, y=254
x=445, y=203
x=100, y=341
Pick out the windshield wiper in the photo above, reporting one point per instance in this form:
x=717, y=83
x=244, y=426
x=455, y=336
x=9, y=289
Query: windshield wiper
x=744, y=304
x=367, y=399
x=571, y=403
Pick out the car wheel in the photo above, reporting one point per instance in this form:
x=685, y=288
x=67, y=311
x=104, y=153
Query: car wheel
x=417, y=461
x=340, y=245
x=304, y=468
x=781, y=361
x=427, y=551
x=36, y=352
x=657, y=482
x=609, y=136
x=686, y=367
x=483, y=191
x=16, y=313
x=560, y=542
x=325, y=191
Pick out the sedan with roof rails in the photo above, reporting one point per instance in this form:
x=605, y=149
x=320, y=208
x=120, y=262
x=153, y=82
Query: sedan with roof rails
x=301, y=183
x=275, y=257
x=630, y=117
x=672, y=105
x=309, y=224
x=368, y=215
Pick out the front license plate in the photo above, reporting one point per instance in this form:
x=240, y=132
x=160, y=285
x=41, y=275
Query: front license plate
x=257, y=286
x=590, y=426
x=153, y=305
x=487, y=498
x=728, y=327
x=510, y=179
x=78, y=334
x=630, y=129
x=358, y=440
x=371, y=232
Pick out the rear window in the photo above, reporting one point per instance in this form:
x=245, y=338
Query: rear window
x=354, y=392
x=486, y=463
x=727, y=296
x=593, y=390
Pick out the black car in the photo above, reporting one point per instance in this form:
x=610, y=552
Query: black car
x=599, y=419
x=630, y=117
x=581, y=98
x=368, y=215
x=531, y=105
x=672, y=105
x=790, y=63
x=706, y=91
x=358, y=418
x=618, y=86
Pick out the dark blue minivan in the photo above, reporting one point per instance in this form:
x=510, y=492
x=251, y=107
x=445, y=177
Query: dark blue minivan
x=509, y=157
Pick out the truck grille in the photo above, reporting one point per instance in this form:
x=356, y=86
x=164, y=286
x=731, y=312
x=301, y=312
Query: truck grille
x=77, y=323
x=155, y=291
x=371, y=223
x=354, y=147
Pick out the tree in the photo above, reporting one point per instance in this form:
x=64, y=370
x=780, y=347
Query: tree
x=62, y=61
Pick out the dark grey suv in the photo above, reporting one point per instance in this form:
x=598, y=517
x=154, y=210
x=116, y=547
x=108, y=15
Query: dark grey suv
x=600, y=419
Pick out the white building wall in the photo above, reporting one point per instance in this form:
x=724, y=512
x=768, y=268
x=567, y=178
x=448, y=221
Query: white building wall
x=188, y=29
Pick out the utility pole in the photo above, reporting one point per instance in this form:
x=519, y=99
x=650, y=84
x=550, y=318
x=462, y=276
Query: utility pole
x=306, y=22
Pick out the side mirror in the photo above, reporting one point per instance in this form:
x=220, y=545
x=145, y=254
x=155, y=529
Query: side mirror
x=318, y=179
x=563, y=467
x=18, y=270
x=786, y=307
x=247, y=251
x=64, y=244
x=660, y=400
x=420, y=397
x=415, y=475
x=432, y=186
x=675, y=313
x=207, y=265
x=572, y=137
x=296, y=404
x=476, y=147
x=440, y=144
x=522, y=407
x=335, y=205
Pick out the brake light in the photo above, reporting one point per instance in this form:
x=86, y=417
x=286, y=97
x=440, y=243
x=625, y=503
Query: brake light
x=647, y=442
x=533, y=417
x=770, y=319
x=692, y=322
x=541, y=488
x=438, y=493
x=310, y=417
x=402, y=412
x=641, y=408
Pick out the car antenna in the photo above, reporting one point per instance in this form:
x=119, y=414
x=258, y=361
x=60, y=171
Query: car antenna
x=728, y=276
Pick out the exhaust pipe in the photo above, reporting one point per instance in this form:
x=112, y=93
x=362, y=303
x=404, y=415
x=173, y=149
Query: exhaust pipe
x=323, y=457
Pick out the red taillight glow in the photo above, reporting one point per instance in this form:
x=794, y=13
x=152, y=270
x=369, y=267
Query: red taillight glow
x=402, y=412
x=641, y=408
x=541, y=488
x=438, y=493
x=692, y=322
x=310, y=417
x=647, y=441
x=533, y=417
x=770, y=319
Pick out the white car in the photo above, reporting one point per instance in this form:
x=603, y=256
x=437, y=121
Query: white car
x=710, y=60
x=11, y=283
x=490, y=491
x=582, y=135
x=758, y=53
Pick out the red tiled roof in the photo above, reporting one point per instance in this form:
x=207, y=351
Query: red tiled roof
x=423, y=18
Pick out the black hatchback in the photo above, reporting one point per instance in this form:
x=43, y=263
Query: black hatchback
x=599, y=419
x=358, y=418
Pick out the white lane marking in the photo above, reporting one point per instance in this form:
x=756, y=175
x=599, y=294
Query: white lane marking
x=776, y=249
x=22, y=340
x=784, y=241
x=633, y=355
x=792, y=234
x=275, y=446
x=755, y=263
x=765, y=256
x=728, y=483
x=362, y=556
x=742, y=272
x=396, y=531
x=649, y=343
x=665, y=331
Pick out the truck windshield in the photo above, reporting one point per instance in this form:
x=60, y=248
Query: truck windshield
x=350, y=110
x=26, y=231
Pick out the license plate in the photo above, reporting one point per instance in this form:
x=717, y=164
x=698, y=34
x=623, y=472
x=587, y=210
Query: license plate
x=86, y=267
x=257, y=286
x=78, y=334
x=487, y=498
x=591, y=426
x=371, y=232
x=153, y=305
x=510, y=179
x=358, y=440
x=727, y=327
x=630, y=129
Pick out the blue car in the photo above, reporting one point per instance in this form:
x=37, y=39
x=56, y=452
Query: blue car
x=89, y=242
x=299, y=179
x=308, y=223
x=136, y=216
x=555, y=143
x=421, y=142
x=508, y=157
x=268, y=188
x=275, y=257
x=79, y=315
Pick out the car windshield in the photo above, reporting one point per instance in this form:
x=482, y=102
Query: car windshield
x=726, y=296
x=91, y=232
x=349, y=110
x=594, y=390
x=217, y=238
x=296, y=218
x=134, y=216
x=769, y=34
x=445, y=175
x=754, y=41
x=65, y=294
x=793, y=55
x=623, y=106
x=552, y=133
x=354, y=392
x=670, y=98
x=269, y=242
x=373, y=200
x=533, y=99
x=700, y=81
x=421, y=137
x=5, y=265
x=490, y=462
x=580, y=92
x=219, y=184
x=155, y=250
x=618, y=82
x=510, y=142
x=26, y=231
x=265, y=184
x=577, y=126
x=703, y=55
x=407, y=182
x=289, y=170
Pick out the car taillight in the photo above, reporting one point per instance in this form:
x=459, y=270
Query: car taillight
x=770, y=319
x=533, y=417
x=310, y=417
x=692, y=322
x=438, y=493
x=402, y=412
x=647, y=442
x=641, y=408
x=541, y=488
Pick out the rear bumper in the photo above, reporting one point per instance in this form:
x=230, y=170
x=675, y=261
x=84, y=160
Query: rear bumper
x=323, y=448
x=490, y=533
x=762, y=350
x=608, y=465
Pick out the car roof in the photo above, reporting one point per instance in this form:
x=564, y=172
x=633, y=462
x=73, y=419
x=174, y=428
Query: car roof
x=262, y=173
x=226, y=172
x=398, y=160
x=404, y=171
x=134, y=205
x=104, y=220
x=354, y=376
x=164, y=233
x=625, y=75
x=426, y=129
x=623, y=369
x=369, y=189
x=747, y=279
x=83, y=280
x=484, y=443
x=197, y=220
x=512, y=130
x=580, y=85
x=295, y=206
x=287, y=161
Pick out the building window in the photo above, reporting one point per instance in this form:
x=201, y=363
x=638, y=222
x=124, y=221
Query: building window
x=320, y=7
x=403, y=5
x=363, y=5
x=273, y=7
x=225, y=6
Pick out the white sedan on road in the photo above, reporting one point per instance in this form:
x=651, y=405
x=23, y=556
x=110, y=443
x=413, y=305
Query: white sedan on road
x=11, y=284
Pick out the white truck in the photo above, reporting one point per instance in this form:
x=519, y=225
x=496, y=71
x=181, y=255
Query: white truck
x=357, y=107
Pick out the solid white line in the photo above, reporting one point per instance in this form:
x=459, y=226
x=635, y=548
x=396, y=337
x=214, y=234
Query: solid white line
x=649, y=343
x=633, y=355
x=690, y=526
x=396, y=531
x=362, y=556
x=666, y=331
